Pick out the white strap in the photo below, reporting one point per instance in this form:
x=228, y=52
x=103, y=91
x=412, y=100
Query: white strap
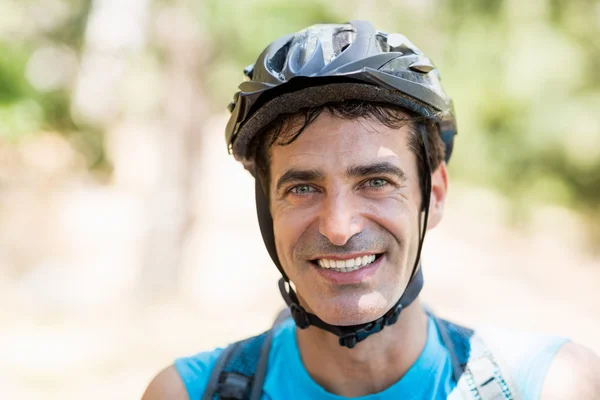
x=485, y=376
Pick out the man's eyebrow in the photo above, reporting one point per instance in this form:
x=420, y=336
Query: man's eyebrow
x=299, y=175
x=386, y=168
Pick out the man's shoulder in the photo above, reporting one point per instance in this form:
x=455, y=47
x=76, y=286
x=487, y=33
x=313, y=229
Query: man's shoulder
x=545, y=366
x=167, y=384
x=186, y=378
x=573, y=374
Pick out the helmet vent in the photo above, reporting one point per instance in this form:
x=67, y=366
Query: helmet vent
x=278, y=60
x=341, y=40
x=382, y=43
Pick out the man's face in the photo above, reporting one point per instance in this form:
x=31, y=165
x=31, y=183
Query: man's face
x=346, y=193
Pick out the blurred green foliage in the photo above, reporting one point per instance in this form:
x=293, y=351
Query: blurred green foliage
x=23, y=108
x=523, y=75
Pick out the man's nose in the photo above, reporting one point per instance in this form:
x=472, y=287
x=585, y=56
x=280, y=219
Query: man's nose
x=340, y=218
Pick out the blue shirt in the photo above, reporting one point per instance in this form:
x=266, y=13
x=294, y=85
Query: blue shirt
x=430, y=377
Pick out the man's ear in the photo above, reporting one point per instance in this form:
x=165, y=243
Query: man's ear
x=439, y=188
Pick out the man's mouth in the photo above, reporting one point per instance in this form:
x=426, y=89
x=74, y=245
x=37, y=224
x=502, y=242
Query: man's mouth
x=348, y=265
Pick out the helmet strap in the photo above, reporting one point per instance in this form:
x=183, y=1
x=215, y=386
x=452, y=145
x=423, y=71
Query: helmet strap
x=349, y=336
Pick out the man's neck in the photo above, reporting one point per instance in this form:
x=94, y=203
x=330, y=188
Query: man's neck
x=374, y=364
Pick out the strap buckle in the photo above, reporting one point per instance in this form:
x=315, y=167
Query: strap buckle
x=393, y=317
x=299, y=316
x=350, y=340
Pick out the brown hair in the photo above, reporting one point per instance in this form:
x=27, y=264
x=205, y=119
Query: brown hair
x=288, y=127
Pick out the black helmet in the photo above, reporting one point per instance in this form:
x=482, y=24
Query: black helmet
x=327, y=64
x=333, y=63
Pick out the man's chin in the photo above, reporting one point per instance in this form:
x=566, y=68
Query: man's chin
x=347, y=316
x=358, y=307
x=351, y=321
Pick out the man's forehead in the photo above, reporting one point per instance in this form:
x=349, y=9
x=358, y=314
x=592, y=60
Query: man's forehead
x=334, y=137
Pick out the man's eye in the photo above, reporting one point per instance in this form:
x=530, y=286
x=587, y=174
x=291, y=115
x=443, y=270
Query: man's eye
x=302, y=189
x=376, y=183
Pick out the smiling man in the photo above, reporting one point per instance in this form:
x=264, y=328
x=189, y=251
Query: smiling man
x=347, y=132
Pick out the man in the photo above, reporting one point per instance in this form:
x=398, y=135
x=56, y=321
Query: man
x=347, y=132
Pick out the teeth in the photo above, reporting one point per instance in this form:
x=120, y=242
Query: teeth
x=346, y=265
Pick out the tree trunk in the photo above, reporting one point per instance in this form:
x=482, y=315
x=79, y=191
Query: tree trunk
x=184, y=108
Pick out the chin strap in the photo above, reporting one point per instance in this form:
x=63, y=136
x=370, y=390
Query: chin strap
x=349, y=336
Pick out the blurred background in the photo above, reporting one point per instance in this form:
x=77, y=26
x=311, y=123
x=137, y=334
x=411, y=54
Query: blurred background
x=128, y=234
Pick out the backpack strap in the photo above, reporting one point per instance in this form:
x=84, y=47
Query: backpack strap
x=480, y=374
x=240, y=370
x=234, y=373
